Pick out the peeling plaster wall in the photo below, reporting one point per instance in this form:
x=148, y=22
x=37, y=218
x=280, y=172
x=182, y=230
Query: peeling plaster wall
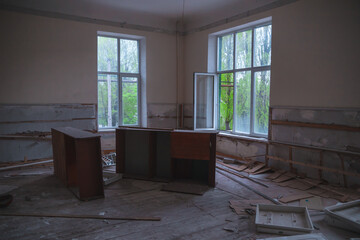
x=25, y=129
x=333, y=139
x=240, y=147
x=161, y=115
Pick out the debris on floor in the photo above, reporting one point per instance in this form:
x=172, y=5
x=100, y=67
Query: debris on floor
x=111, y=177
x=109, y=159
x=240, y=206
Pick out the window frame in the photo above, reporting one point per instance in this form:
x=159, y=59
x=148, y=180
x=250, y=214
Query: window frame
x=120, y=75
x=253, y=69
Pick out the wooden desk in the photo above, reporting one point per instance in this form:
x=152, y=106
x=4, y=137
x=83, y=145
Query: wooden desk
x=77, y=161
x=166, y=153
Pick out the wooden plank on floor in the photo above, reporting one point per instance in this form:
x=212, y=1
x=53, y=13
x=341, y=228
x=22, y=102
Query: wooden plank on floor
x=189, y=188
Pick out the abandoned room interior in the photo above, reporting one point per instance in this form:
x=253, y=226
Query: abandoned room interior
x=180, y=119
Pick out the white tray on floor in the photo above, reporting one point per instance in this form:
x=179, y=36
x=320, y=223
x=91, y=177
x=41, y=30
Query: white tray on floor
x=346, y=215
x=285, y=220
x=313, y=236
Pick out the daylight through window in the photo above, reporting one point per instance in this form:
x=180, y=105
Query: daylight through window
x=243, y=67
x=118, y=81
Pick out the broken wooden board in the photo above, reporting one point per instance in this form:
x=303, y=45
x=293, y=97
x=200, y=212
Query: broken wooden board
x=130, y=218
x=276, y=174
x=239, y=206
x=250, y=165
x=296, y=184
x=233, y=166
x=296, y=197
x=263, y=170
x=314, y=203
x=189, y=188
x=237, y=167
x=287, y=176
x=257, y=167
x=228, y=160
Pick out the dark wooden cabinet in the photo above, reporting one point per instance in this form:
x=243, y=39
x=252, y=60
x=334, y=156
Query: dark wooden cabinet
x=166, y=153
x=77, y=161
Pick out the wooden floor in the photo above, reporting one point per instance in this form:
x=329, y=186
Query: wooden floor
x=183, y=216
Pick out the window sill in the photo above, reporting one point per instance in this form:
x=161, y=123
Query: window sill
x=242, y=137
x=106, y=130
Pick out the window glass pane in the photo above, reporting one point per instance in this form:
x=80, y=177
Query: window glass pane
x=261, y=102
x=204, y=101
x=226, y=101
x=243, y=101
x=130, y=100
x=129, y=56
x=226, y=52
x=262, y=45
x=107, y=54
x=243, y=49
x=108, y=103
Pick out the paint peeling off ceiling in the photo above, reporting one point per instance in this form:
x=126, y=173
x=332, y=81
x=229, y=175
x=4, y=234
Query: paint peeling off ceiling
x=153, y=13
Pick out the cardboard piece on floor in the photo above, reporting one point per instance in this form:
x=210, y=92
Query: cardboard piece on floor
x=285, y=177
x=296, y=197
x=314, y=203
x=318, y=191
x=296, y=184
x=275, y=175
x=189, y=188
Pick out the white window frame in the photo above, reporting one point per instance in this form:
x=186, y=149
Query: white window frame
x=120, y=75
x=250, y=26
x=214, y=102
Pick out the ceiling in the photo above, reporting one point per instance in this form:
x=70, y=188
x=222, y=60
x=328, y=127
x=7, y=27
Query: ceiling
x=158, y=14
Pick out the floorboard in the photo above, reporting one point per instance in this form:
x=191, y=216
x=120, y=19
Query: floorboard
x=183, y=216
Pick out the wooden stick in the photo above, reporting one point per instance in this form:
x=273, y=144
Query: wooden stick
x=222, y=155
x=317, y=167
x=313, y=148
x=25, y=165
x=239, y=175
x=321, y=159
x=80, y=216
x=266, y=154
x=250, y=188
x=316, y=125
x=343, y=168
x=290, y=158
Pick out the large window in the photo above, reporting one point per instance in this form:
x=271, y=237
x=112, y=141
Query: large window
x=118, y=81
x=243, y=68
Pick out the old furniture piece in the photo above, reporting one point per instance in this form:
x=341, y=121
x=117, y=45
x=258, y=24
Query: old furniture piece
x=77, y=161
x=166, y=153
